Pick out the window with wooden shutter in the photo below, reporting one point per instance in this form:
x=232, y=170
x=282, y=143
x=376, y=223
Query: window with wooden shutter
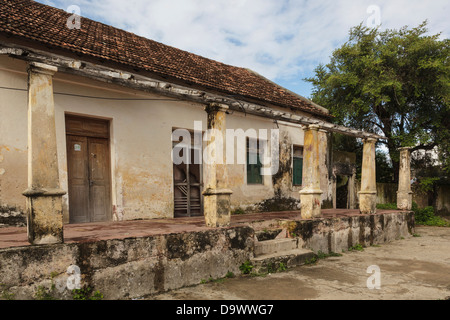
x=253, y=163
x=297, y=166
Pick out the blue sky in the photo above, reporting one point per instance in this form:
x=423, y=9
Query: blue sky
x=283, y=40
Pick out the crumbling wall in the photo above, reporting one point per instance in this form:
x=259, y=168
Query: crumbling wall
x=136, y=267
x=340, y=234
x=12, y=217
x=13, y=138
x=387, y=192
x=443, y=200
x=129, y=268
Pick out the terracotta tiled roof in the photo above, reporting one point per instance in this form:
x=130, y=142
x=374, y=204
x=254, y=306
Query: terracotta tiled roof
x=34, y=21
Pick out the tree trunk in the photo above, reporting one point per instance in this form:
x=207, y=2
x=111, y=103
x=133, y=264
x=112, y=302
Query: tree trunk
x=394, y=154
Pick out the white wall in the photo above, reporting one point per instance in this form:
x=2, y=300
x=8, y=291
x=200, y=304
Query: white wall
x=141, y=167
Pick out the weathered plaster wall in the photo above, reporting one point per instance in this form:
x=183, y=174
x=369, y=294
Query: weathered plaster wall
x=443, y=200
x=245, y=195
x=338, y=234
x=387, y=192
x=140, y=143
x=141, y=167
x=13, y=134
x=129, y=268
x=135, y=267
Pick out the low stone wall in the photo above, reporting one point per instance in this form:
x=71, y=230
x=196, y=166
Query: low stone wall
x=129, y=268
x=135, y=267
x=387, y=193
x=12, y=217
x=340, y=234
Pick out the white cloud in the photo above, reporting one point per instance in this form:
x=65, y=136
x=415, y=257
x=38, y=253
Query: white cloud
x=282, y=40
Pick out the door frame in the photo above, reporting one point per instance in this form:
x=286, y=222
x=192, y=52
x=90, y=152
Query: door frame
x=191, y=147
x=87, y=134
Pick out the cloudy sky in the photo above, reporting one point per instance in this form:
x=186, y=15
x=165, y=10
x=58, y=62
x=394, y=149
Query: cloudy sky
x=284, y=40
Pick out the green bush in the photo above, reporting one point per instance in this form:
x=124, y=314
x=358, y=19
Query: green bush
x=238, y=211
x=246, y=267
x=387, y=206
x=427, y=217
x=86, y=293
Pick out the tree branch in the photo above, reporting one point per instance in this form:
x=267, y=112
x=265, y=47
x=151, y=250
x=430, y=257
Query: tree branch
x=424, y=147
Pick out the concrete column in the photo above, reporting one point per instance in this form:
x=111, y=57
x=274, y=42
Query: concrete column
x=404, y=194
x=217, y=207
x=352, y=190
x=368, y=193
x=310, y=195
x=44, y=196
x=325, y=168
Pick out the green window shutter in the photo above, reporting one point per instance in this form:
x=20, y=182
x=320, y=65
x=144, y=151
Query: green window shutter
x=254, y=171
x=298, y=171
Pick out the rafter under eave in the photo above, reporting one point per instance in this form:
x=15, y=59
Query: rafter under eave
x=139, y=82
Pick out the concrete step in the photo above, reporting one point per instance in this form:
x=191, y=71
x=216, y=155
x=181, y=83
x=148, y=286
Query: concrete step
x=268, y=234
x=270, y=263
x=274, y=246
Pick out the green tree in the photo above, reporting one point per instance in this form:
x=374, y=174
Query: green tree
x=394, y=83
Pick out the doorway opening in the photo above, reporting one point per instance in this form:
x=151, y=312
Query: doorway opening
x=342, y=192
x=89, y=169
x=188, y=182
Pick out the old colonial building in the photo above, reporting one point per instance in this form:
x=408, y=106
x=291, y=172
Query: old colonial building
x=87, y=122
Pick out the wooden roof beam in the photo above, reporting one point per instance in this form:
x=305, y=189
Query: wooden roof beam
x=143, y=83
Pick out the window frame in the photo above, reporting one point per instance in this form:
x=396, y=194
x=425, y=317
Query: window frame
x=294, y=157
x=251, y=180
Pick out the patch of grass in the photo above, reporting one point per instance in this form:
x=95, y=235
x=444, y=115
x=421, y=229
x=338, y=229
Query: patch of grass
x=427, y=217
x=282, y=267
x=259, y=274
x=246, y=267
x=416, y=235
x=356, y=247
x=5, y=294
x=273, y=268
x=313, y=260
x=229, y=275
x=86, y=293
x=269, y=269
x=321, y=255
x=211, y=279
x=387, y=206
x=238, y=211
x=43, y=293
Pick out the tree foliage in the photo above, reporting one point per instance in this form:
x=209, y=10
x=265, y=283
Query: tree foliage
x=394, y=83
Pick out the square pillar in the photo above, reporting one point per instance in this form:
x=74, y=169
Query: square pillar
x=310, y=195
x=44, y=196
x=217, y=196
x=404, y=194
x=368, y=193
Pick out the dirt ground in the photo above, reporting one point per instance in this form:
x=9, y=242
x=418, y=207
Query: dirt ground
x=416, y=268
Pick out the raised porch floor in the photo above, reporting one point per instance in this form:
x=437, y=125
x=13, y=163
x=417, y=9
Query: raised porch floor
x=90, y=232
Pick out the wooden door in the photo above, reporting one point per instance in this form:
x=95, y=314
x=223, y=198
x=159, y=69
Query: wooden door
x=88, y=164
x=99, y=184
x=188, y=198
x=78, y=174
